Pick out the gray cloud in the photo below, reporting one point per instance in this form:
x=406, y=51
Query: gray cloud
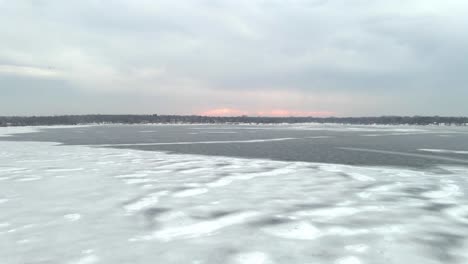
x=354, y=57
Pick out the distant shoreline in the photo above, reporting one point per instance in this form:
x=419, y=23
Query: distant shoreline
x=10, y=121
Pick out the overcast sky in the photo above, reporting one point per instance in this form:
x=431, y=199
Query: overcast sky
x=270, y=57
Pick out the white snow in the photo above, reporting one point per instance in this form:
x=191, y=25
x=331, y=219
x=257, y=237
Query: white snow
x=90, y=259
x=201, y=209
x=295, y=230
x=255, y=257
x=357, y=248
x=348, y=260
x=72, y=217
x=199, y=229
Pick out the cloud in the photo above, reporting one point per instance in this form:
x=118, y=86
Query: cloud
x=333, y=54
x=28, y=71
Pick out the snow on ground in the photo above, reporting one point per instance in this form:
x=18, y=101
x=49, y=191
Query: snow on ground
x=79, y=204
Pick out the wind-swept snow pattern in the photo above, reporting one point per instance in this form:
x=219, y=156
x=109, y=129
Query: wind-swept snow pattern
x=411, y=154
x=80, y=204
x=445, y=151
x=209, y=142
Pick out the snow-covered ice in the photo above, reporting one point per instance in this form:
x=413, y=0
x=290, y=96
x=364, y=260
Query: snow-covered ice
x=80, y=204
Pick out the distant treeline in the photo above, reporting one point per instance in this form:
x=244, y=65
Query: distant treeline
x=192, y=119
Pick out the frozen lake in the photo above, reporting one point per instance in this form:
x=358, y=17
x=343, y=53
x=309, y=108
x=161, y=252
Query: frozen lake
x=234, y=194
x=340, y=144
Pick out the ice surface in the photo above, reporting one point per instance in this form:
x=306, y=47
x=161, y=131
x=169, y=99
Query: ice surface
x=208, y=142
x=445, y=151
x=217, y=132
x=79, y=204
x=442, y=158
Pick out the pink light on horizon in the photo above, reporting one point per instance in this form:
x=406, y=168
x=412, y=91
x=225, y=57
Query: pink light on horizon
x=269, y=113
x=224, y=112
x=294, y=113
